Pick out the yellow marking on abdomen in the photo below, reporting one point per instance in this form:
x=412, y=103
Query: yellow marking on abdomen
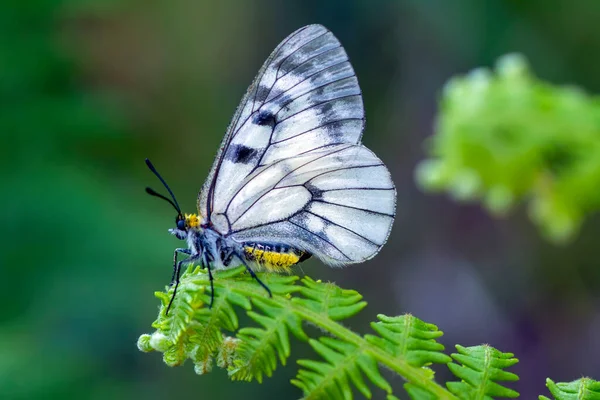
x=271, y=260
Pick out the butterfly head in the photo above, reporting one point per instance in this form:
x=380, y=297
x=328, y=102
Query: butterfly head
x=184, y=224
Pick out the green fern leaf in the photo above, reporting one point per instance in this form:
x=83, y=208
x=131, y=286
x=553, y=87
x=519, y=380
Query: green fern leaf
x=260, y=347
x=504, y=136
x=417, y=393
x=414, y=341
x=344, y=364
x=405, y=339
x=192, y=331
x=581, y=389
x=329, y=299
x=482, y=367
x=410, y=338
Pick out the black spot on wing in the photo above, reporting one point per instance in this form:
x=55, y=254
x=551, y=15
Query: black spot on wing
x=320, y=91
x=241, y=154
x=283, y=101
x=306, y=51
x=261, y=93
x=265, y=118
x=336, y=130
x=328, y=109
x=325, y=108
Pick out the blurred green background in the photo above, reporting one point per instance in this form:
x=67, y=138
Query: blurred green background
x=88, y=89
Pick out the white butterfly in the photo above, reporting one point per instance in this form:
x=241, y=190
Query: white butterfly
x=291, y=178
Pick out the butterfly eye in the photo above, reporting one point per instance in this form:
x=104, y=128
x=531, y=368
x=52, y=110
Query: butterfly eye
x=180, y=224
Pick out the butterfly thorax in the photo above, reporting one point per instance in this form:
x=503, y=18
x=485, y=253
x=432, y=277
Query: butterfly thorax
x=208, y=246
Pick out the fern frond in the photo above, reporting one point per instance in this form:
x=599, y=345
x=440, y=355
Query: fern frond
x=410, y=338
x=482, y=367
x=192, y=331
x=329, y=300
x=413, y=340
x=227, y=352
x=415, y=392
x=405, y=343
x=344, y=363
x=581, y=389
x=260, y=347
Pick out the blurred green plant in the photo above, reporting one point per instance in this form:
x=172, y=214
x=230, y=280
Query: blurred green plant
x=405, y=344
x=505, y=136
x=49, y=121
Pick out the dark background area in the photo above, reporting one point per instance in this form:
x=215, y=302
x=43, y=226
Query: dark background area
x=88, y=89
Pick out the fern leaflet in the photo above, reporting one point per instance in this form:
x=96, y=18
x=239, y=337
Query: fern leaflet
x=344, y=363
x=349, y=362
x=581, y=389
x=410, y=338
x=260, y=347
x=482, y=367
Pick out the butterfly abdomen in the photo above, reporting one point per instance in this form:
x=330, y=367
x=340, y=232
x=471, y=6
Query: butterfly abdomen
x=274, y=257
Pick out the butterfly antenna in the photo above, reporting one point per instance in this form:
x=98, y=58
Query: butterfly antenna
x=154, y=193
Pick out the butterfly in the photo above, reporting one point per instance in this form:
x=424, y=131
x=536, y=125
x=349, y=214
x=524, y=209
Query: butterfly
x=291, y=179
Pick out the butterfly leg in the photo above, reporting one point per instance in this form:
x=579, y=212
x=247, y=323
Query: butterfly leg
x=254, y=275
x=179, y=250
x=176, y=273
x=206, y=262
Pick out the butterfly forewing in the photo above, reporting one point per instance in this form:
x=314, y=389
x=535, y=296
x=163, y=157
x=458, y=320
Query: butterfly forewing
x=306, y=92
x=291, y=168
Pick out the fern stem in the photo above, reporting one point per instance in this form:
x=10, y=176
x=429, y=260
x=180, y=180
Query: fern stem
x=414, y=375
x=173, y=331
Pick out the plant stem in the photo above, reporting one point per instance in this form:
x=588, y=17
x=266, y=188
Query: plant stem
x=412, y=374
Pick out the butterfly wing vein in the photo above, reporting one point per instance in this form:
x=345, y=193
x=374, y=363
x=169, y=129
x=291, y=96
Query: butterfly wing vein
x=291, y=168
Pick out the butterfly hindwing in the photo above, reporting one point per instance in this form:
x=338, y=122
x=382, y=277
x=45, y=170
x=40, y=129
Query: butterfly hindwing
x=337, y=203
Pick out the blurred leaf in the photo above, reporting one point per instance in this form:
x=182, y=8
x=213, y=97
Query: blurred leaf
x=505, y=136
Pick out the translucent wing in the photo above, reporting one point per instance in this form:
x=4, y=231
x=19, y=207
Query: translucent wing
x=291, y=168
x=305, y=96
x=337, y=203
